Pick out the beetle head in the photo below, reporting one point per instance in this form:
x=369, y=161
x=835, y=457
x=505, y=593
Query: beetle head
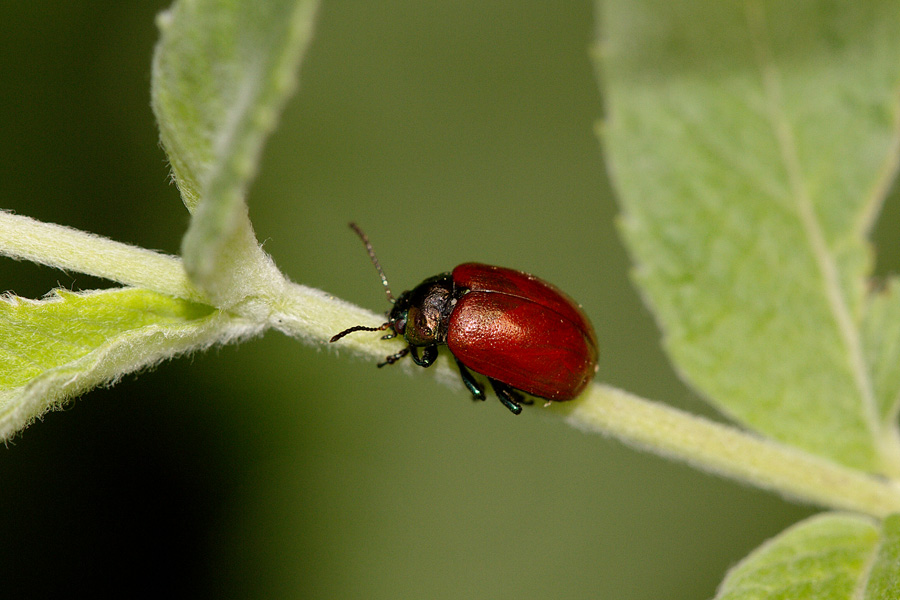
x=421, y=316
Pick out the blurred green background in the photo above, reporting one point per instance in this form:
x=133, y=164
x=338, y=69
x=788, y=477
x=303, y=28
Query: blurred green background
x=452, y=132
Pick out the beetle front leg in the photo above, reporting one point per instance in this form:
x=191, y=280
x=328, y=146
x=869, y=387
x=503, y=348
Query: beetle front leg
x=469, y=380
x=429, y=355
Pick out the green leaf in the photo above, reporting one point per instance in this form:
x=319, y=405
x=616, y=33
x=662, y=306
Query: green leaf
x=222, y=72
x=884, y=578
x=751, y=145
x=826, y=557
x=67, y=343
x=882, y=343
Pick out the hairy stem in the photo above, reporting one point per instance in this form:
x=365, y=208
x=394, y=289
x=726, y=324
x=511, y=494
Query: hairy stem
x=73, y=250
x=315, y=316
x=730, y=452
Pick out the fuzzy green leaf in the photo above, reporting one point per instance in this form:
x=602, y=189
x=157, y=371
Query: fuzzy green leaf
x=58, y=347
x=881, y=334
x=751, y=145
x=827, y=557
x=222, y=72
x=884, y=577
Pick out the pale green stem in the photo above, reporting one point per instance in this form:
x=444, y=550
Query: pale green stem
x=730, y=452
x=73, y=250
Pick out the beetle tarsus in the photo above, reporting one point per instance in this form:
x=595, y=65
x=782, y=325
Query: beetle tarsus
x=389, y=360
x=510, y=398
x=429, y=355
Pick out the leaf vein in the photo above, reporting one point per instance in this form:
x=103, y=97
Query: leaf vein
x=809, y=221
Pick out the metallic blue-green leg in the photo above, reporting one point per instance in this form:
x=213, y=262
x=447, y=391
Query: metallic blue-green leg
x=510, y=398
x=429, y=355
x=468, y=379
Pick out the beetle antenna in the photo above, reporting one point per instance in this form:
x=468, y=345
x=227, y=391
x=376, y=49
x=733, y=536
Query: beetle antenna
x=338, y=336
x=371, y=251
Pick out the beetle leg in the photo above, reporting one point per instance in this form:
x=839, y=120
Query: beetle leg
x=394, y=357
x=427, y=359
x=510, y=398
x=469, y=380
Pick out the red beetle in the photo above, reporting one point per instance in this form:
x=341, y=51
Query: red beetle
x=520, y=332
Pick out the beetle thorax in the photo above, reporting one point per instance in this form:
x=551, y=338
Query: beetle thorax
x=422, y=315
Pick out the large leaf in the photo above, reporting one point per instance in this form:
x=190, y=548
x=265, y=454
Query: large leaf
x=751, y=145
x=58, y=347
x=828, y=557
x=221, y=74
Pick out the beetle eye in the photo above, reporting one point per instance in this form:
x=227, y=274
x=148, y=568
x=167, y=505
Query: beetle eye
x=399, y=324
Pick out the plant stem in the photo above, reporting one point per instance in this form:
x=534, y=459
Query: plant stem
x=730, y=452
x=314, y=315
x=73, y=250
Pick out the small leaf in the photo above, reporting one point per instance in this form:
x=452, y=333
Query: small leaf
x=67, y=343
x=222, y=72
x=826, y=557
x=751, y=145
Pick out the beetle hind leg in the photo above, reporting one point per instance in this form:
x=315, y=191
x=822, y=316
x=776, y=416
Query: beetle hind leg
x=510, y=398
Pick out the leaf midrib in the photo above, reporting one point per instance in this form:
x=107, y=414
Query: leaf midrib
x=783, y=132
